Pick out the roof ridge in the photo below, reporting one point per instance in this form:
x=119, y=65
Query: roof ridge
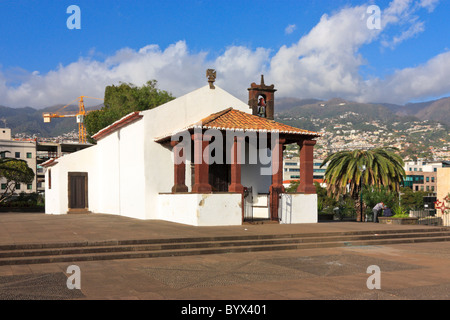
x=214, y=116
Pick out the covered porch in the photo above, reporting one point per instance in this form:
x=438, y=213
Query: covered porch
x=235, y=163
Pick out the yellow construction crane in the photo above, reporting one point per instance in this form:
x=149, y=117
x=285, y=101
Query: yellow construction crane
x=80, y=116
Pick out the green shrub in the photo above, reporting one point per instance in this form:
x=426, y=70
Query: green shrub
x=400, y=212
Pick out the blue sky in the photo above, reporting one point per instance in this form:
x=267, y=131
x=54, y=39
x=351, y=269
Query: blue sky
x=308, y=49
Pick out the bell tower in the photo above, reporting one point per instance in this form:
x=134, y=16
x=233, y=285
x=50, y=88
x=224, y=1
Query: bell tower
x=261, y=99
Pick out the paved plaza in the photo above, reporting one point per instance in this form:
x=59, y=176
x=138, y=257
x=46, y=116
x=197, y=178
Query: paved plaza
x=407, y=271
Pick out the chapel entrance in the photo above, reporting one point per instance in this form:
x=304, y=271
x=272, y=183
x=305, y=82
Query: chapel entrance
x=219, y=177
x=77, y=190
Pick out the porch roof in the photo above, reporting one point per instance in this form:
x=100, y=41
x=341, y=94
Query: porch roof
x=49, y=163
x=235, y=120
x=124, y=121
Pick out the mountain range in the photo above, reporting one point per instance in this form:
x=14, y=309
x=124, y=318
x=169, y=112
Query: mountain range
x=30, y=121
x=434, y=110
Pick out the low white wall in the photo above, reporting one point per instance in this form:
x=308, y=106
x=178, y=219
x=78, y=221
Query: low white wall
x=298, y=208
x=198, y=209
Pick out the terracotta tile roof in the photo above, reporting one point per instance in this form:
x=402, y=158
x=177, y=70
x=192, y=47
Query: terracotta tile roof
x=231, y=119
x=49, y=163
x=235, y=120
x=124, y=121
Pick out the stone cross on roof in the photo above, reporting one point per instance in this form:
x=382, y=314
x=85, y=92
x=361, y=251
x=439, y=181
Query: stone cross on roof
x=211, y=74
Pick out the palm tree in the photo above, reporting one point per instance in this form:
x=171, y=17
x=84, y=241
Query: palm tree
x=345, y=172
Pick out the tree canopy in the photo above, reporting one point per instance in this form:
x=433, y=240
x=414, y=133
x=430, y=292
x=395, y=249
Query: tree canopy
x=345, y=172
x=123, y=99
x=14, y=171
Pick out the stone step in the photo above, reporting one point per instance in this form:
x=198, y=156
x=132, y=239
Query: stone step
x=88, y=248
x=217, y=238
x=150, y=248
x=203, y=251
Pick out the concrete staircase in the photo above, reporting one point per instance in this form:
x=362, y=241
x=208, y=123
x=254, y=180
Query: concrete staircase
x=18, y=254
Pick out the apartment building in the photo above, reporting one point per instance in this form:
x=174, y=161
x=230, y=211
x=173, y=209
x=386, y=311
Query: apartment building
x=34, y=153
x=291, y=169
x=422, y=175
x=18, y=149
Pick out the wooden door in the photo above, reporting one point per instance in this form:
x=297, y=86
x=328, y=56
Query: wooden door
x=78, y=190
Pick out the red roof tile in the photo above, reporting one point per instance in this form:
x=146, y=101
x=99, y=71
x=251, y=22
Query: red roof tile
x=235, y=120
x=231, y=119
x=129, y=118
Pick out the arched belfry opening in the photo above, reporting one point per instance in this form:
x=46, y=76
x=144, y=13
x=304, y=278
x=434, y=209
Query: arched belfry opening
x=262, y=99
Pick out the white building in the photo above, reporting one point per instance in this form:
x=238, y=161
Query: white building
x=133, y=172
x=46, y=150
x=423, y=166
x=291, y=170
x=18, y=149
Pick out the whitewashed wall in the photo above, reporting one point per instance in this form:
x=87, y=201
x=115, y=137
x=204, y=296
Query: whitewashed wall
x=167, y=119
x=224, y=209
x=108, y=168
x=298, y=208
x=52, y=197
x=56, y=198
x=131, y=173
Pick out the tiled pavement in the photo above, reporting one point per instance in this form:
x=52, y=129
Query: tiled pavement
x=408, y=271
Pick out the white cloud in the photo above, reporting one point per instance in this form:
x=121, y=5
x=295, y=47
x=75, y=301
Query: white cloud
x=427, y=80
x=402, y=13
x=414, y=29
x=290, y=28
x=324, y=63
x=429, y=4
x=173, y=68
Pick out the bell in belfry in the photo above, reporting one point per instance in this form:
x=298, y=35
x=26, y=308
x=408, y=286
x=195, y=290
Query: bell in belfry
x=262, y=108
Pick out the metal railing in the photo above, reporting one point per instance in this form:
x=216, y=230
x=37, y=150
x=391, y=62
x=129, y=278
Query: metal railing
x=430, y=217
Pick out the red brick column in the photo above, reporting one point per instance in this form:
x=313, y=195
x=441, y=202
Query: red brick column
x=235, y=184
x=201, y=180
x=306, y=167
x=179, y=168
x=277, y=178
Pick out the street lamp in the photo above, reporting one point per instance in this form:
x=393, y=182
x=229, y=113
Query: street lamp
x=400, y=198
x=363, y=168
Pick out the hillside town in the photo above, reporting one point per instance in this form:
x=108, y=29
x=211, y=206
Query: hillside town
x=417, y=139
